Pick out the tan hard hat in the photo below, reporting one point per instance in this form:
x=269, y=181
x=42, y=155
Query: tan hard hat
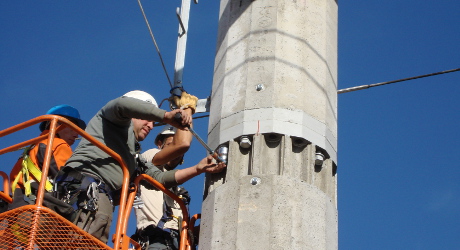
x=167, y=130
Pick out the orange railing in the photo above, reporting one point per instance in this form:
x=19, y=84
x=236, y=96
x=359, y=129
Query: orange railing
x=38, y=226
x=120, y=231
x=185, y=241
x=192, y=227
x=5, y=194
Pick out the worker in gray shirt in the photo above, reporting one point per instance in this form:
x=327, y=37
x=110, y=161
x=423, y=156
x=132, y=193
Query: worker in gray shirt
x=92, y=178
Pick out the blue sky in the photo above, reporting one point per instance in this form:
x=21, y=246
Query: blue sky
x=398, y=149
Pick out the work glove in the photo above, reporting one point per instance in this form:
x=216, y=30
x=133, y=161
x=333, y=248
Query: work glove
x=186, y=101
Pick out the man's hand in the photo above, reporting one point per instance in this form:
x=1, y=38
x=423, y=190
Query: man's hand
x=207, y=165
x=185, y=121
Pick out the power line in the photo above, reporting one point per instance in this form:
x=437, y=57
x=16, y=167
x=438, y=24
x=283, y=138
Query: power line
x=394, y=81
x=154, y=41
x=157, y=124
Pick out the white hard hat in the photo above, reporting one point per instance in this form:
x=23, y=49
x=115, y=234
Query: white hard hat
x=167, y=130
x=143, y=96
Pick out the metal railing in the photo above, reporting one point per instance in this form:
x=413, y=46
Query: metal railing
x=5, y=194
x=19, y=229
x=185, y=241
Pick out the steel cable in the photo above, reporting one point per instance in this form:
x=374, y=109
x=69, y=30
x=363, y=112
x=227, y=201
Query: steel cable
x=156, y=45
x=394, y=81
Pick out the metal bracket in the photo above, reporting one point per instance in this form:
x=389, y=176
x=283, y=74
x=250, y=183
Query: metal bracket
x=203, y=105
x=138, y=203
x=180, y=22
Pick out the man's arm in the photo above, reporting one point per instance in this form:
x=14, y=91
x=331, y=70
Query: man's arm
x=179, y=146
x=206, y=165
x=166, y=178
x=122, y=109
x=176, y=177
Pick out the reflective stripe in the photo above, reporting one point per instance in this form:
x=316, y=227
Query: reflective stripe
x=36, y=172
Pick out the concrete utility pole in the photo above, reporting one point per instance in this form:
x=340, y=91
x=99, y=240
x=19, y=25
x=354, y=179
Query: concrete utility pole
x=274, y=105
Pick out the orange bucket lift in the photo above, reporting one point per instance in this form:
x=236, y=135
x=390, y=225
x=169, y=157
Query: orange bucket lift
x=38, y=227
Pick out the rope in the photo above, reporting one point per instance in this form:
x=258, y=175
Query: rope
x=394, y=81
x=154, y=42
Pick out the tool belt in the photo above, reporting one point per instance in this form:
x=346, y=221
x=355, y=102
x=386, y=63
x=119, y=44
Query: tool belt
x=80, y=190
x=50, y=200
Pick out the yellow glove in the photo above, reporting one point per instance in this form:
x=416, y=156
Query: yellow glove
x=186, y=101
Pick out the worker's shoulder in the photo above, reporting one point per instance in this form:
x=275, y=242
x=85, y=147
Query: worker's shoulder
x=149, y=154
x=58, y=143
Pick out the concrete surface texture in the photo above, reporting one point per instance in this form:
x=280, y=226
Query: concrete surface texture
x=276, y=71
x=275, y=82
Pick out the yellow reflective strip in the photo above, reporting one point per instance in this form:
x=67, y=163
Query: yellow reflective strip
x=24, y=172
x=27, y=188
x=26, y=177
x=19, y=233
x=38, y=174
x=15, y=182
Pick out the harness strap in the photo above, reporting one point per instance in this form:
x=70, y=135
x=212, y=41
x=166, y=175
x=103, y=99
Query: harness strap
x=168, y=214
x=36, y=172
x=25, y=174
x=28, y=166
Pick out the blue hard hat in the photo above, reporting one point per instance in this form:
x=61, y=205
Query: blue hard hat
x=66, y=111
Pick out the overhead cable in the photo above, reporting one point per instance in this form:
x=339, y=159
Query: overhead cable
x=394, y=81
x=156, y=45
x=157, y=124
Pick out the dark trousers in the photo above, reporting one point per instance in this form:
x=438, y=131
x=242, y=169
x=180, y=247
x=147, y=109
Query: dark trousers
x=97, y=223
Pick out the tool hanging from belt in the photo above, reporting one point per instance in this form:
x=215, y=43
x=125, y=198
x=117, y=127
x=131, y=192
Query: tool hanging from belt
x=70, y=183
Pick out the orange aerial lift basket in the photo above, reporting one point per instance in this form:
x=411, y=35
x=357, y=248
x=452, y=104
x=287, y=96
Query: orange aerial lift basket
x=38, y=227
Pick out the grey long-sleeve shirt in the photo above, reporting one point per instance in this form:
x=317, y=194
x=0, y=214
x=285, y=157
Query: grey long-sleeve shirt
x=113, y=127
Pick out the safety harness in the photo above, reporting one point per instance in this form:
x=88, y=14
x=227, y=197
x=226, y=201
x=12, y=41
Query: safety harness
x=159, y=234
x=29, y=168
